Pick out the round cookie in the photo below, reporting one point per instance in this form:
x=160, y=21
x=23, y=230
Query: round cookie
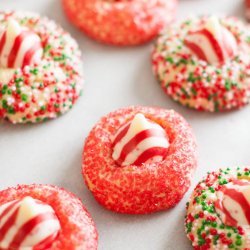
x=120, y=22
x=218, y=211
x=40, y=75
x=139, y=160
x=203, y=63
x=44, y=217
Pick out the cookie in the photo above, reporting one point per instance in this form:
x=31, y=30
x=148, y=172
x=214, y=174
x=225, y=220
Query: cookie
x=202, y=63
x=139, y=160
x=40, y=75
x=122, y=22
x=44, y=217
x=218, y=211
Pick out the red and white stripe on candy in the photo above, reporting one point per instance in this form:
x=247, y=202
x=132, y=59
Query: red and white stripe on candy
x=233, y=204
x=140, y=141
x=19, y=47
x=214, y=43
x=27, y=224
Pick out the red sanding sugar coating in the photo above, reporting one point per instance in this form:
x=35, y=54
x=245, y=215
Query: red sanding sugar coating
x=247, y=9
x=141, y=189
x=121, y=22
x=77, y=227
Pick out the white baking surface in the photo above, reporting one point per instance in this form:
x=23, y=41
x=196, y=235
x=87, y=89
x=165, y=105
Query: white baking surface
x=114, y=78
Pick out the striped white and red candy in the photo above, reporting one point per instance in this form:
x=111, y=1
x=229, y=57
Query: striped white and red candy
x=19, y=46
x=213, y=43
x=140, y=141
x=27, y=224
x=233, y=204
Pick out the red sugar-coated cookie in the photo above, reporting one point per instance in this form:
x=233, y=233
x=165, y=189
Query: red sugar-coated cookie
x=77, y=227
x=149, y=187
x=122, y=22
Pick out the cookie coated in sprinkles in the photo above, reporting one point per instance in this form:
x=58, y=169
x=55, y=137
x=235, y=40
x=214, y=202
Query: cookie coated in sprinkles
x=44, y=90
x=205, y=226
x=196, y=83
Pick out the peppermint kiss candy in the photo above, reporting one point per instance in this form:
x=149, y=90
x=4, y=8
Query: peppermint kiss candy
x=27, y=224
x=140, y=141
x=213, y=43
x=19, y=47
x=233, y=204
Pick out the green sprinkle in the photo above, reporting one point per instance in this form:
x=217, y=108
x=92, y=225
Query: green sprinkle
x=182, y=61
x=61, y=58
x=196, y=216
x=18, y=80
x=216, y=106
x=223, y=182
x=191, y=78
x=214, y=224
x=208, y=79
x=238, y=242
x=73, y=85
x=201, y=242
x=215, y=239
x=24, y=97
x=194, y=92
x=192, y=62
x=204, y=196
x=189, y=227
x=184, y=92
x=228, y=85
x=5, y=104
x=47, y=48
x=218, y=71
x=197, y=199
x=10, y=110
x=188, y=22
x=34, y=71
x=170, y=60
